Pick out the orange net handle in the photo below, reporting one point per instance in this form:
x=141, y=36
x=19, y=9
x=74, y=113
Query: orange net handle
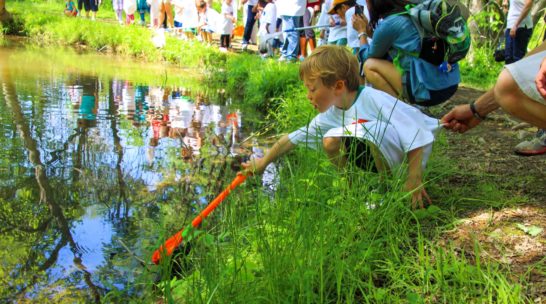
x=174, y=241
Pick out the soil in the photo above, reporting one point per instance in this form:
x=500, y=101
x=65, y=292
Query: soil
x=504, y=235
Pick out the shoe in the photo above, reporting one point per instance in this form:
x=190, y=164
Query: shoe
x=535, y=146
x=244, y=46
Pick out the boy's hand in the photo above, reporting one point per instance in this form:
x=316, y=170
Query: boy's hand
x=418, y=193
x=253, y=166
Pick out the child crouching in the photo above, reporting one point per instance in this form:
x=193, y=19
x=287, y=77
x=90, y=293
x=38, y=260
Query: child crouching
x=388, y=129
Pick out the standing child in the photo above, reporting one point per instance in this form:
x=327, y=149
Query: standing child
x=70, y=9
x=142, y=8
x=268, y=26
x=228, y=20
x=386, y=130
x=117, y=5
x=154, y=13
x=129, y=6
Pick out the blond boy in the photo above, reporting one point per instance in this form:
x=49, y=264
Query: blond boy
x=350, y=114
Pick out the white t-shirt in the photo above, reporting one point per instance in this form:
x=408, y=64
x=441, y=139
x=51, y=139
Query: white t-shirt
x=190, y=18
x=390, y=124
x=337, y=32
x=226, y=27
x=178, y=10
x=269, y=16
x=290, y=7
x=352, y=34
x=514, y=11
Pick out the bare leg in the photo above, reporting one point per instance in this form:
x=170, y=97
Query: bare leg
x=383, y=76
x=335, y=151
x=510, y=97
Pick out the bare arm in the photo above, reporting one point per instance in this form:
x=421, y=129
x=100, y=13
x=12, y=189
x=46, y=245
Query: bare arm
x=258, y=165
x=414, y=182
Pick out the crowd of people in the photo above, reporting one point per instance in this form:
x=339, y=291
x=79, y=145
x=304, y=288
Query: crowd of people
x=371, y=72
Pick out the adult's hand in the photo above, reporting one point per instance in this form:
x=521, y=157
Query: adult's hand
x=360, y=23
x=513, y=32
x=540, y=79
x=460, y=119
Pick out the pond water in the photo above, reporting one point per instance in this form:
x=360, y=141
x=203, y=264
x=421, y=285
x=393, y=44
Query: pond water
x=91, y=151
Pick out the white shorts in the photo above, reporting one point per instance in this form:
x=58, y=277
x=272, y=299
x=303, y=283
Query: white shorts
x=524, y=72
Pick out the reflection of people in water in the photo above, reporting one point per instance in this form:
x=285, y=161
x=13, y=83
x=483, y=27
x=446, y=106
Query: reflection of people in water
x=158, y=116
x=89, y=103
x=141, y=105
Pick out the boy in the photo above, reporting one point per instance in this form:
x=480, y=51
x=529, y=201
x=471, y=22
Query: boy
x=349, y=114
x=268, y=26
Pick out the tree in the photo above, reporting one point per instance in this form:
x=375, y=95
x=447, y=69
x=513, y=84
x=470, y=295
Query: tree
x=4, y=15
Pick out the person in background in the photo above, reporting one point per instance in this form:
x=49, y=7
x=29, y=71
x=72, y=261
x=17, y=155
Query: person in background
x=70, y=9
x=117, y=5
x=520, y=91
x=154, y=13
x=142, y=8
x=207, y=21
x=268, y=26
x=165, y=8
x=228, y=19
x=519, y=28
x=251, y=11
x=347, y=10
x=89, y=6
x=307, y=37
x=407, y=76
x=291, y=13
x=178, y=6
x=338, y=26
x=129, y=6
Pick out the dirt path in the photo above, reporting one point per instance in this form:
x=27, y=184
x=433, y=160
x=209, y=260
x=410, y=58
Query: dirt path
x=511, y=234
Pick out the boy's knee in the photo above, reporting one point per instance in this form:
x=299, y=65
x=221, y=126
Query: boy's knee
x=331, y=145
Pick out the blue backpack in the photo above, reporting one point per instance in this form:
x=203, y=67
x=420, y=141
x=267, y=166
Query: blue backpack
x=445, y=37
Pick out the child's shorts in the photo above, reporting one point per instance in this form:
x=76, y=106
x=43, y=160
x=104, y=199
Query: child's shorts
x=177, y=24
x=359, y=153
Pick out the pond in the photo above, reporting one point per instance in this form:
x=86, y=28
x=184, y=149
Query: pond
x=96, y=153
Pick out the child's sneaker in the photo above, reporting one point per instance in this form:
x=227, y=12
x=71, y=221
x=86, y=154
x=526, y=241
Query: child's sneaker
x=244, y=46
x=535, y=146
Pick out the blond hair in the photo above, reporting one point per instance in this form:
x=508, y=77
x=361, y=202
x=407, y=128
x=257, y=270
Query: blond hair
x=331, y=63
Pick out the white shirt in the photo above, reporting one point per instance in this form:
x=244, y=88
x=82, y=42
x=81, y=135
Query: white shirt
x=390, y=124
x=269, y=16
x=226, y=27
x=190, y=18
x=516, y=6
x=290, y=7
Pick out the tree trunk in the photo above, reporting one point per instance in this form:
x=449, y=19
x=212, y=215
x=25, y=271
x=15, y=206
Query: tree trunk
x=5, y=17
x=536, y=12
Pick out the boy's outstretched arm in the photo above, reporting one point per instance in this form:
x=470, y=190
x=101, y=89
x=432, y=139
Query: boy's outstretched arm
x=414, y=182
x=257, y=165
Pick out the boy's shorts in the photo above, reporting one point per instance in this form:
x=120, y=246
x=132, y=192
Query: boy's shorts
x=177, y=24
x=359, y=153
x=524, y=72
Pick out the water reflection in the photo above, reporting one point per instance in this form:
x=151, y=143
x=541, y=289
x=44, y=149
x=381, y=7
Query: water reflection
x=95, y=160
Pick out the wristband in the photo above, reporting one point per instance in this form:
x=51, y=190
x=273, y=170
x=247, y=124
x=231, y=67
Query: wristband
x=362, y=34
x=475, y=112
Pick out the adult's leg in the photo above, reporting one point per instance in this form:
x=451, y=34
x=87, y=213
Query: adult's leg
x=508, y=47
x=249, y=24
x=384, y=76
x=510, y=97
x=523, y=35
x=161, y=14
x=291, y=42
x=169, y=11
